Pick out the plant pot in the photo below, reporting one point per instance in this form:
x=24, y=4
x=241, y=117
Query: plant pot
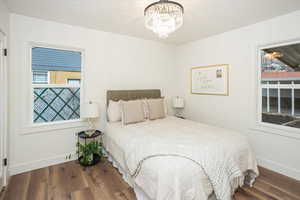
x=95, y=159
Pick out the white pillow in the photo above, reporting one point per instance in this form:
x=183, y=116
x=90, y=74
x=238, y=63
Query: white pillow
x=165, y=106
x=147, y=107
x=156, y=108
x=132, y=111
x=114, y=111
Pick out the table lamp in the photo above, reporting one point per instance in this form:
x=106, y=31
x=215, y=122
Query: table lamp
x=178, y=104
x=89, y=111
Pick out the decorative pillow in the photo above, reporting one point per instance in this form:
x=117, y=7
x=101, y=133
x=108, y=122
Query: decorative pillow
x=132, y=112
x=114, y=111
x=165, y=106
x=146, y=108
x=156, y=108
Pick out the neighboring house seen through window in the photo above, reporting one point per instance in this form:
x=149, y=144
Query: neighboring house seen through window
x=280, y=85
x=55, y=97
x=40, y=77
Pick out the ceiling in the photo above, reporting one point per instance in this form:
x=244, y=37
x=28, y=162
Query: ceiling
x=202, y=17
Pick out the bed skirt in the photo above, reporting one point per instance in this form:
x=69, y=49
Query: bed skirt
x=139, y=193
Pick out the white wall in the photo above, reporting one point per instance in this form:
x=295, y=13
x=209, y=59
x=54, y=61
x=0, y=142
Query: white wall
x=4, y=17
x=238, y=111
x=111, y=62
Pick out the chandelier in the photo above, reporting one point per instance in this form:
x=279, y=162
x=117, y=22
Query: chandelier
x=164, y=17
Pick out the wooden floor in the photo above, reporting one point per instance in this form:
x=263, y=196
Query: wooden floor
x=69, y=181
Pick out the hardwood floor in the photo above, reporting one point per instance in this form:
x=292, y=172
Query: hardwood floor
x=70, y=181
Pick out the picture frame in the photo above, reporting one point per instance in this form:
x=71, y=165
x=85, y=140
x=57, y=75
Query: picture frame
x=210, y=80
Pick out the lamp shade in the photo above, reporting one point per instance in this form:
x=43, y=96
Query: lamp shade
x=89, y=110
x=178, y=102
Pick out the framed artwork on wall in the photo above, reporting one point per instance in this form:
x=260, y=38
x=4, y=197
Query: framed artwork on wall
x=210, y=80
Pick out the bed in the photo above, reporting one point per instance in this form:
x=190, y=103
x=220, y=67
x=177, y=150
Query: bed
x=177, y=159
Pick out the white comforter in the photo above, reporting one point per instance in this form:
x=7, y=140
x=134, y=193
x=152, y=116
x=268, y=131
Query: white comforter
x=224, y=156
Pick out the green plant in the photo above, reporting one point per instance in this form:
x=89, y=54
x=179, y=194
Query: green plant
x=86, y=151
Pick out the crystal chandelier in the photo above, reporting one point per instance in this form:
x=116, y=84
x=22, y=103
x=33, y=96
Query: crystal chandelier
x=164, y=17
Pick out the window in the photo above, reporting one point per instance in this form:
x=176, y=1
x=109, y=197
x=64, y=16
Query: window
x=74, y=81
x=55, y=97
x=280, y=85
x=40, y=77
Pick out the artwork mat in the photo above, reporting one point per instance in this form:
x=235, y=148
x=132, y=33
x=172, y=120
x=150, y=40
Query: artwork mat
x=226, y=92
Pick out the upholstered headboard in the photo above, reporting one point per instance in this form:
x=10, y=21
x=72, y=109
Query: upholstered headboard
x=127, y=95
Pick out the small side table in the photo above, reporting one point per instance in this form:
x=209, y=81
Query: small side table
x=97, y=135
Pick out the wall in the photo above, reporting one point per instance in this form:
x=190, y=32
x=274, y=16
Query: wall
x=111, y=61
x=238, y=48
x=4, y=17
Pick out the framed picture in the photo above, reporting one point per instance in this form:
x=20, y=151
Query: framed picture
x=210, y=80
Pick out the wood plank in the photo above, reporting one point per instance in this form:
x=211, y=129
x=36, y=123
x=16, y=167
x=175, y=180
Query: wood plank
x=257, y=194
x=18, y=187
x=37, y=188
x=286, y=184
x=273, y=191
x=242, y=195
x=83, y=194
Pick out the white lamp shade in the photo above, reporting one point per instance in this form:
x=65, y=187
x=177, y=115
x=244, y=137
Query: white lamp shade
x=178, y=102
x=89, y=110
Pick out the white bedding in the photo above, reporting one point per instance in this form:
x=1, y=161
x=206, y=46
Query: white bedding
x=170, y=177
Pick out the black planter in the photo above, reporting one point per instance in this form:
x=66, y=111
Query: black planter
x=96, y=159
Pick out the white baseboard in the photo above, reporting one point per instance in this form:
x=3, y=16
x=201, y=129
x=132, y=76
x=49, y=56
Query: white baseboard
x=25, y=167
x=277, y=167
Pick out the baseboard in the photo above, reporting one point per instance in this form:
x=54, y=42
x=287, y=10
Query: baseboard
x=279, y=168
x=25, y=167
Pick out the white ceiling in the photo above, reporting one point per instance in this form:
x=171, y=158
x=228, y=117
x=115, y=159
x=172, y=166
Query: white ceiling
x=202, y=17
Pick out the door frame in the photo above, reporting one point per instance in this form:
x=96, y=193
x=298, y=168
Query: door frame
x=3, y=108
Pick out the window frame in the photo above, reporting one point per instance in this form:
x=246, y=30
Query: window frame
x=29, y=126
x=259, y=124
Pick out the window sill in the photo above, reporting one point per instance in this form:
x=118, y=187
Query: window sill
x=284, y=131
x=52, y=126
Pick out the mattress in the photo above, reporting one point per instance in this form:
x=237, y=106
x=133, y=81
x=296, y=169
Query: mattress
x=189, y=177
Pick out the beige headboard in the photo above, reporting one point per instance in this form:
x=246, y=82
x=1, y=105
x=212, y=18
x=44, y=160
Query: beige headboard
x=127, y=95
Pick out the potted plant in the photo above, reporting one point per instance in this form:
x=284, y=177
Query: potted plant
x=89, y=153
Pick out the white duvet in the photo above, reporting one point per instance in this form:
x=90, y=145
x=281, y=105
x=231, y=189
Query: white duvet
x=175, y=159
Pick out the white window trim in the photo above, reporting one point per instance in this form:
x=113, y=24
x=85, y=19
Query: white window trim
x=34, y=128
x=263, y=126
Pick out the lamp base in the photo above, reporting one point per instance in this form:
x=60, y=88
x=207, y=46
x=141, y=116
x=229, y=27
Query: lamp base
x=89, y=132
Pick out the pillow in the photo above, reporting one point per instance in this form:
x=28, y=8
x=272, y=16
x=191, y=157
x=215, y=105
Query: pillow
x=114, y=111
x=146, y=109
x=156, y=108
x=165, y=106
x=132, y=112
